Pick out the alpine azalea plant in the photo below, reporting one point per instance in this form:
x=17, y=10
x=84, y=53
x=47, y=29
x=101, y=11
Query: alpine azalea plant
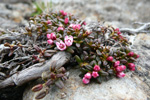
x=100, y=53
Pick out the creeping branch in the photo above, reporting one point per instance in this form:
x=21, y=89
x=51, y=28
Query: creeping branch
x=35, y=71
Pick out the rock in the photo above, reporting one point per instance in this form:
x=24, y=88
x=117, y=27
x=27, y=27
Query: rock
x=12, y=15
x=136, y=85
x=15, y=1
x=123, y=12
x=115, y=89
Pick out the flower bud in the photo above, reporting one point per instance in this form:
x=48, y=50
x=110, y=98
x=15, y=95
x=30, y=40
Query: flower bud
x=66, y=20
x=110, y=58
x=132, y=69
x=50, y=41
x=117, y=63
x=84, y=23
x=131, y=66
x=88, y=76
x=121, y=74
x=49, y=22
x=121, y=68
x=75, y=26
x=48, y=36
x=52, y=75
x=96, y=68
x=63, y=13
x=60, y=29
x=95, y=74
x=51, y=36
x=85, y=80
x=130, y=54
x=137, y=56
x=119, y=33
x=117, y=30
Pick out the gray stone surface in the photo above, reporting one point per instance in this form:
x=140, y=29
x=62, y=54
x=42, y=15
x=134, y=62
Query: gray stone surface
x=12, y=15
x=15, y=1
x=128, y=88
x=135, y=86
x=121, y=13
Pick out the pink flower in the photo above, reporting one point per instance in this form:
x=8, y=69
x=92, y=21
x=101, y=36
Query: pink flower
x=68, y=40
x=95, y=74
x=137, y=56
x=85, y=80
x=84, y=23
x=117, y=63
x=63, y=13
x=110, y=58
x=121, y=37
x=75, y=26
x=50, y=41
x=117, y=30
x=96, y=68
x=66, y=20
x=49, y=22
x=51, y=36
x=130, y=54
x=119, y=33
x=132, y=69
x=121, y=74
x=60, y=28
x=61, y=45
x=131, y=66
x=121, y=68
x=88, y=76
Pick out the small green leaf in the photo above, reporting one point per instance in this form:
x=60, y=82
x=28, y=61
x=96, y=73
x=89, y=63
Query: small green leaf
x=78, y=59
x=103, y=73
x=92, y=63
x=89, y=67
x=78, y=45
x=70, y=50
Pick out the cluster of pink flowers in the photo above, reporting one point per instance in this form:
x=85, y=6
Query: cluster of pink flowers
x=63, y=45
x=63, y=13
x=118, y=31
x=68, y=41
x=119, y=68
x=75, y=26
x=131, y=54
x=94, y=74
x=51, y=37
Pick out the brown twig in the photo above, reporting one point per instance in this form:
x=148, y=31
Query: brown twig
x=35, y=71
